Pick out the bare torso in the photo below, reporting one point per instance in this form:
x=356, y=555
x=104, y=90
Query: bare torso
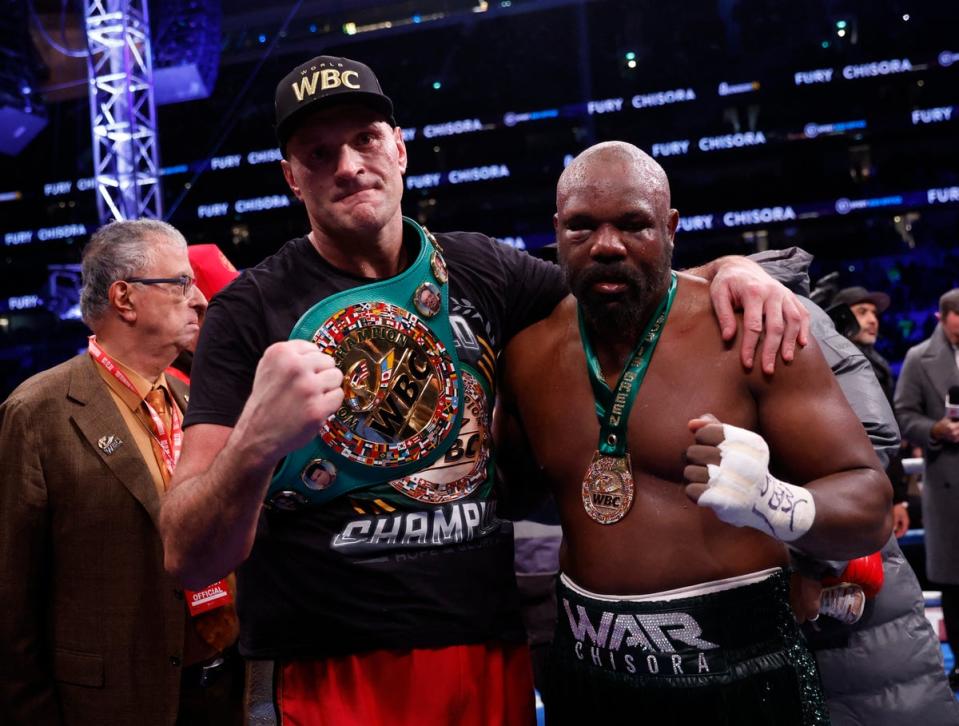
x=666, y=540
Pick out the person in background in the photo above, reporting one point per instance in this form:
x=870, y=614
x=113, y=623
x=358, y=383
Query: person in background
x=94, y=631
x=888, y=666
x=927, y=407
x=212, y=271
x=867, y=307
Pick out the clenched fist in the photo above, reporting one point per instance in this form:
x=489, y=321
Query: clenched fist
x=728, y=472
x=295, y=390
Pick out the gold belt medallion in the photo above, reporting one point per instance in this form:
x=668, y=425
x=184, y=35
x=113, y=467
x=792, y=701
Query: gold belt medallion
x=462, y=469
x=399, y=385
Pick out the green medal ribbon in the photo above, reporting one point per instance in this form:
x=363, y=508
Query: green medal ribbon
x=613, y=406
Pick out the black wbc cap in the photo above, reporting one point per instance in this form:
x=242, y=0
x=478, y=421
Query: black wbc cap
x=322, y=82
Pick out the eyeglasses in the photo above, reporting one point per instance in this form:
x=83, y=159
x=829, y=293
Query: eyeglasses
x=184, y=281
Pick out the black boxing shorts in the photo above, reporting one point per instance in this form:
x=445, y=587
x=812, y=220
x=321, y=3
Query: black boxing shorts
x=723, y=652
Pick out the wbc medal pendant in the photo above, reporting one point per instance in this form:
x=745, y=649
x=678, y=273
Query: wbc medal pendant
x=608, y=488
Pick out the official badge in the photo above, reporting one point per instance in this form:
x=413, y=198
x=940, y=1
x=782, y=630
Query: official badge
x=427, y=299
x=109, y=444
x=608, y=488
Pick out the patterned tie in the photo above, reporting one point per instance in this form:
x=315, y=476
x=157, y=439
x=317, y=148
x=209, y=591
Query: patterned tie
x=218, y=628
x=156, y=399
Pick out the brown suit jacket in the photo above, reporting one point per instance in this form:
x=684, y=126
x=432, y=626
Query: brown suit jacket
x=91, y=625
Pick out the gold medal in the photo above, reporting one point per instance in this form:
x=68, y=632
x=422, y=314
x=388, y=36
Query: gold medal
x=608, y=488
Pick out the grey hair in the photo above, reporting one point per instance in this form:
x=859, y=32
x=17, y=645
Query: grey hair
x=116, y=251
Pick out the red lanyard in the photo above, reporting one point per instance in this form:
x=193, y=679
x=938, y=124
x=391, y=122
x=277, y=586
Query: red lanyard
x=171, y=442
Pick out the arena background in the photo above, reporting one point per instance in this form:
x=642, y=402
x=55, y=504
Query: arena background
x=827, y=124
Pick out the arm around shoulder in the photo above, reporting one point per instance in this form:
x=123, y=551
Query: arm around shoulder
x=769, y=309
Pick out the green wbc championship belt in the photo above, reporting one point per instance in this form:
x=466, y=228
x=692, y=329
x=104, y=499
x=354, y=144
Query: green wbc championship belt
x=403, y=390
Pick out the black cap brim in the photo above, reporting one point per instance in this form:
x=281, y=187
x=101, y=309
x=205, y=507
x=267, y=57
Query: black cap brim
x=378, y=103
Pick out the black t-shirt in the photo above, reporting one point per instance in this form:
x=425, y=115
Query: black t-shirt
x=376, y=569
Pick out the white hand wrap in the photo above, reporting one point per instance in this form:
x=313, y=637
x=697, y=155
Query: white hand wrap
x=743, y=493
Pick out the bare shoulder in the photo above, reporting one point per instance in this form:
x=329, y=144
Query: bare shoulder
x=807, y=368
x=692, y=311
x=536, y=348
x=542, y=337
x=695, y=291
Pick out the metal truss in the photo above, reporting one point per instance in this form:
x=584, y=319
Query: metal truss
x=122, y=113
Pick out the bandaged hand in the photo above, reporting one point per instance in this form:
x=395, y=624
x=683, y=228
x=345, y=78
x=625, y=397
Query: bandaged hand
x=772, y=315
x=728, y=471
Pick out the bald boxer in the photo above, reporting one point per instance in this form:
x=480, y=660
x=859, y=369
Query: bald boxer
x=673, y=600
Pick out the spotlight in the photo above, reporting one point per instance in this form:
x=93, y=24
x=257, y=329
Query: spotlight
x=630, y=56
x=905, y=18
x=631, y=63
x=437, y=85
x=841, y=24
x=841, y=33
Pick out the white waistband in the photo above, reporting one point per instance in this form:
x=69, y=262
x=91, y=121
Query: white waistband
x=703, y=588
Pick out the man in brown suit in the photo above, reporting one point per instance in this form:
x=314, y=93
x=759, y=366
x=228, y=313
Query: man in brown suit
x=93, y=630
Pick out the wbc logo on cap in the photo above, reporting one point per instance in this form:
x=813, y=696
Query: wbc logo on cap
x=327, y=78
